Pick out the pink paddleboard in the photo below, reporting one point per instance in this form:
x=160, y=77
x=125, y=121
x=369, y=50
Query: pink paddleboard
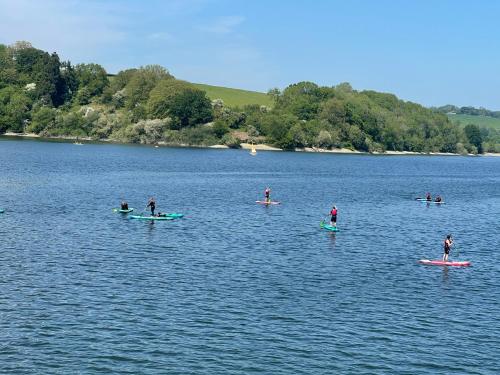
x=264, y=202
x=441, y=263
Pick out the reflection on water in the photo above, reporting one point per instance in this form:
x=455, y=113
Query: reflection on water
x=445, y=275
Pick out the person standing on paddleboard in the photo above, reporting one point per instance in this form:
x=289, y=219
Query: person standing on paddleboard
x=447, y=247
x=267, y=194
x=152, y=205
x=333, y=219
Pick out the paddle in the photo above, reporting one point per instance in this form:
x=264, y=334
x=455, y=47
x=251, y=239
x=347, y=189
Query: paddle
x=458, y=251
x=323, y=222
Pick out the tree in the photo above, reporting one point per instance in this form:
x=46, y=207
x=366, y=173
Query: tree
x=302, y=99
x=334, y=112
x=191, y=107
x=161, y=97
x=220, y=128
x=8, y=72
x=473, y=134
x=67, y=86
x=36, y=66
x=277, y=126
x=297, y=136
x=142, y=82
x=92, y=77
x=42, y=119
x=122, y=79
x=274, y=94
x=357, y=138
x=324, y=139
x=14, y=109
x=84, y=96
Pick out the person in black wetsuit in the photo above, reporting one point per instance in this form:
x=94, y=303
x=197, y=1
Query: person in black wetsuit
x=447, y=247
x=124, y=205
x=152, y=205
x=428, y=197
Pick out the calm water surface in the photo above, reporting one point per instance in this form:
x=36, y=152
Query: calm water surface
x=237, y=288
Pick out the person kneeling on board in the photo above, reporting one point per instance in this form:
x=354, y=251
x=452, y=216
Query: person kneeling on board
x=124, y=205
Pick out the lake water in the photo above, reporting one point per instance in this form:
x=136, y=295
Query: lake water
x=235, y=287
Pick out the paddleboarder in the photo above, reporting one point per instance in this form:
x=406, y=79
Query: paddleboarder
x=333, y=219
x=152, y=205
x=267, y=194
x=438, y=199
x=124, y=205
x=448, y=242
x=428, y=197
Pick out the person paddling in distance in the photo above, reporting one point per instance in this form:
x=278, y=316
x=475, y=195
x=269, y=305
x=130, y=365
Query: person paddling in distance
x=124, y=205
x=333, y=219
x=438, y=199
x=152, y=205
x=267, y=195
x=428, y=197
x=448, y=242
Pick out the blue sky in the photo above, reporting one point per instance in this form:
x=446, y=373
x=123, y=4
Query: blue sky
x=431, y=52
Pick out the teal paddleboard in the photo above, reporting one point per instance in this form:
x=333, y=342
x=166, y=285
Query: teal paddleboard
x=423, y=200
x=331, y=228
x=137, y=217
x=123, y=211
x=172, y=215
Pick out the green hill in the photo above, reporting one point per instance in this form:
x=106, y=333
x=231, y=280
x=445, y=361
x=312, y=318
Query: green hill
x=235, y=97
x=487, y=121
x=41, y=94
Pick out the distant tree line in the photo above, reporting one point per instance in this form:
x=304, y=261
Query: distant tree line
x=472, y=111
x=41, y=94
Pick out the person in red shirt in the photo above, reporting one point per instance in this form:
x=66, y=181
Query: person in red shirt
x=267, y=194
x=333, y=220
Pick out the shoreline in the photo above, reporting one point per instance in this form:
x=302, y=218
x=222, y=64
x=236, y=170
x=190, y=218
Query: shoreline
x=248, y=146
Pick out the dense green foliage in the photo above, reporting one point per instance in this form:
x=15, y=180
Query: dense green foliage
x=40, y=94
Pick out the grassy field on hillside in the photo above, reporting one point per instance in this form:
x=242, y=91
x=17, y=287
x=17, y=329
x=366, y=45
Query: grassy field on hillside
x=235, y=97
x=490, y=122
